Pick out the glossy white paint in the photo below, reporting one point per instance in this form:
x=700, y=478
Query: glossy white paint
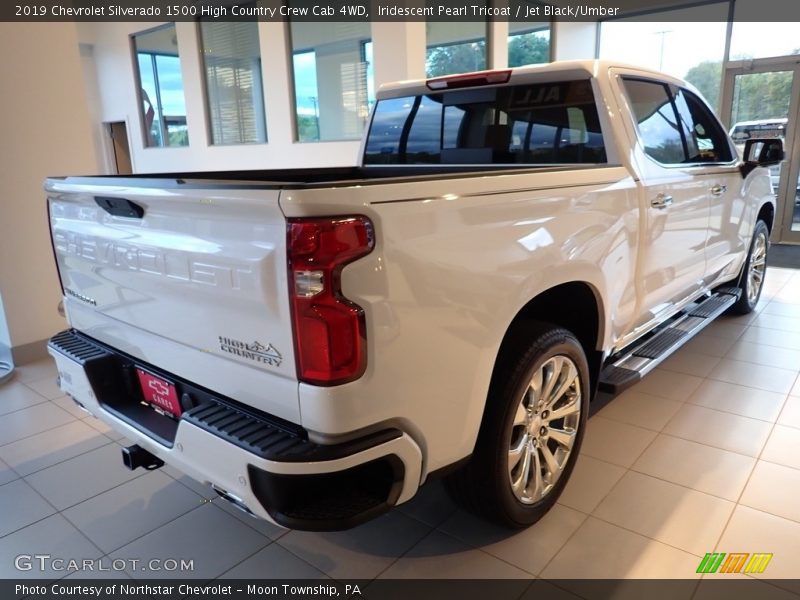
x=672, y=266
x=202, y=264
x=455, y=260
x=449, y=273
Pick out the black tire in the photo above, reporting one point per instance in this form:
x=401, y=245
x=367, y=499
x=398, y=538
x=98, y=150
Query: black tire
x=756, y=255
x=484, y=484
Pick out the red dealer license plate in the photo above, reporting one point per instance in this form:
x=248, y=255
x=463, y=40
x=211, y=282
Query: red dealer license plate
x=160, y=393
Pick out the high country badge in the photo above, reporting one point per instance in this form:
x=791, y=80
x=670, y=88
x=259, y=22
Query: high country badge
x=256, y=351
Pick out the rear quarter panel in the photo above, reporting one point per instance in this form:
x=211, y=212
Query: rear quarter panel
x=454, y=262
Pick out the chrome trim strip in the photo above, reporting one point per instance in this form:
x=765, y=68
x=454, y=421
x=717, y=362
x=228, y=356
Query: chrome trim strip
x=501, y=192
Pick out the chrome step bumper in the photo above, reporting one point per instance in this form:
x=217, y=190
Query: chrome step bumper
x=273, y=471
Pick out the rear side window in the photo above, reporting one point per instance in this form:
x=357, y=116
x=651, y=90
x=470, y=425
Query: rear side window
x=674, y=125
x=523, y=124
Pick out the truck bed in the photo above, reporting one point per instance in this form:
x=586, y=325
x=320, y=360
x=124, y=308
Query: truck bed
x=323, y=177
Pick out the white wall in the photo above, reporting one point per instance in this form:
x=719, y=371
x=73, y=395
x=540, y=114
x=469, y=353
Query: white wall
x=45, y=131
x=100, y=138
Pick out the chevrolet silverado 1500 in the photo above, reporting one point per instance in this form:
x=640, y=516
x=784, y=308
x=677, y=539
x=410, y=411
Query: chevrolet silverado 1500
x=317, y=343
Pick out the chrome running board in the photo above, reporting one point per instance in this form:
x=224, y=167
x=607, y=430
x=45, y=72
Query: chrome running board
x=628, y=366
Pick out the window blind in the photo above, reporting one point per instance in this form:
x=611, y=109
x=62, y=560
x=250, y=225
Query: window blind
x=234, y=90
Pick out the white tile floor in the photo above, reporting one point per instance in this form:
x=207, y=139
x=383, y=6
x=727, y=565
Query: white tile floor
x=702, y=455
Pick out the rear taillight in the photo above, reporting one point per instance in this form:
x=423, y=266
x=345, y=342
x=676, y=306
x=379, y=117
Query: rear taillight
x=330, y=333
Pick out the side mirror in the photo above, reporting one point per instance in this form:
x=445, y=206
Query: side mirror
x=762, y=153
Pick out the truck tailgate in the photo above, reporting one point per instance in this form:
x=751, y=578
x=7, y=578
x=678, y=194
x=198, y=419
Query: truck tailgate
x=200, y=276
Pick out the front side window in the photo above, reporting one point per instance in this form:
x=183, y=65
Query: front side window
x=333, y=89
x=705, y=139
x=659, y=128
x=163, y=104
x=674, y=125
x=234, y=91
x=547, y=123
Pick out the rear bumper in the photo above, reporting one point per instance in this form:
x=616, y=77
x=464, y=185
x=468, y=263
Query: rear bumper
x=260, y=463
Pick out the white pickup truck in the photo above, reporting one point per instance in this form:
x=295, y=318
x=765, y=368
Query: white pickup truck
x=317, y=343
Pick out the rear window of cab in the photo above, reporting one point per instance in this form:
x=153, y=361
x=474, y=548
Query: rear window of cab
x=531, y=124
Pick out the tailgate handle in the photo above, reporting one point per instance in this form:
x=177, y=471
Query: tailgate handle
x=120, y=207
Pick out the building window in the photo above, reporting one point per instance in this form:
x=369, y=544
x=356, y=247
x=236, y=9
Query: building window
x=333, y=79
x=455, y=47
x=754, y=38
x=528, y=44
x=163, y=104
x=235, y=95
x=671, y=44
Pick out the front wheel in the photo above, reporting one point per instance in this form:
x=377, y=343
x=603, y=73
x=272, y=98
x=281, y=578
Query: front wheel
x=531, y=433
x=751, y=281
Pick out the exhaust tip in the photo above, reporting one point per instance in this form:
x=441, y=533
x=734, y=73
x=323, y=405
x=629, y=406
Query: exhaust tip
x=233, y=499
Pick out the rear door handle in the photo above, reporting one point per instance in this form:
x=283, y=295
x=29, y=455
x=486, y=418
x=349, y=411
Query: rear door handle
x=718, y=190
x=661, y=201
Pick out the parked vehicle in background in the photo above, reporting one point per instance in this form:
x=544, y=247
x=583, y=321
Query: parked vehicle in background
x=763, y=129
x=316, y=344
x=760, y=129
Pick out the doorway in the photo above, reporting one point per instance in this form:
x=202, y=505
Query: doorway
x=120, y=148
x=761, y=99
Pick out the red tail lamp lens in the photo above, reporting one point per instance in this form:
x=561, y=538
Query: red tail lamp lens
x=329, y=330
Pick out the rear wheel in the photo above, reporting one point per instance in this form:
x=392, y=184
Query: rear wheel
x=755, y=268
x=531, y=433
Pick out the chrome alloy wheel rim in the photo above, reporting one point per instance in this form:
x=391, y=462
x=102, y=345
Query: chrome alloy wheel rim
x=758, y=266
x=545, y=425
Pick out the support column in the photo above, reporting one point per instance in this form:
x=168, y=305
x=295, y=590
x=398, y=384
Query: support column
x=399, y=50
x=574, y=40
x=276, y=57
x=498, y=45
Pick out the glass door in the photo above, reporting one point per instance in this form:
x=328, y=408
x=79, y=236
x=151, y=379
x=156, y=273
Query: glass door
x=760, y=100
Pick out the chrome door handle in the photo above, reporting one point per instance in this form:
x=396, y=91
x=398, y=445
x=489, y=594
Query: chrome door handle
x=661, y=201
x=718, y=190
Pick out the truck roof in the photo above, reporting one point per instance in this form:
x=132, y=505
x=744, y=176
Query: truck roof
x=527, y=74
